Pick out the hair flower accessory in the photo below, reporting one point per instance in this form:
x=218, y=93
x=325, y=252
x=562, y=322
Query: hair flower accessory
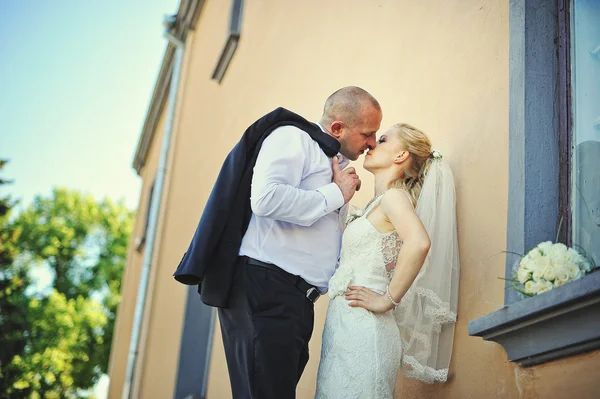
x=435, y=154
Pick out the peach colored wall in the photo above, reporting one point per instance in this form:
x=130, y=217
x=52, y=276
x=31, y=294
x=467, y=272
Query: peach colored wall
x=131, y=275
x=165, y=307
x=442, y=66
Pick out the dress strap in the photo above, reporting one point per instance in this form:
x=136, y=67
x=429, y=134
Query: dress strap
x=408, y=195
x=375, y=201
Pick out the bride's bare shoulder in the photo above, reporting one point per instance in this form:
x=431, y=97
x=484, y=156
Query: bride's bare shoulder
x=395, y=197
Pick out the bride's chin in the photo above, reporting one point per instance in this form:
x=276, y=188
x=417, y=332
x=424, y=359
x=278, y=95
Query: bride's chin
x=367, y=166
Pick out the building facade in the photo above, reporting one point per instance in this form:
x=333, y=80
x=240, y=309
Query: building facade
x=497, y=85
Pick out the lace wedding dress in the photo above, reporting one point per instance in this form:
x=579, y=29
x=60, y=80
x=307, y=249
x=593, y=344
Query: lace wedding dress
x=361, y=352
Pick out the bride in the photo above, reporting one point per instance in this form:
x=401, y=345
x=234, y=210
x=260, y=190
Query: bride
x=394, y=295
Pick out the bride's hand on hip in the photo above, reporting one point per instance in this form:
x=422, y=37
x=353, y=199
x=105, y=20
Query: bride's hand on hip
x=361, y=297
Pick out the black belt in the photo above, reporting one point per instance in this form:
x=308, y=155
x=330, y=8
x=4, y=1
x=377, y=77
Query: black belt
x=312, y=293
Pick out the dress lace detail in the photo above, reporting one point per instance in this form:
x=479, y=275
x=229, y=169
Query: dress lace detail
x=355, y=337
x=440, y=311
x=417, y=370
x=390, y=247
x=439, y=316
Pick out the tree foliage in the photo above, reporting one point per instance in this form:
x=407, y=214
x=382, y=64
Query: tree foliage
x=59, y=336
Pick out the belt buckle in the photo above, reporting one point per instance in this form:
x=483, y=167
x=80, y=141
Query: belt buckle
x=313, y=294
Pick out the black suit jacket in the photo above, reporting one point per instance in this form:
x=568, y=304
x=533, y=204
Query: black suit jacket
x=211, y=257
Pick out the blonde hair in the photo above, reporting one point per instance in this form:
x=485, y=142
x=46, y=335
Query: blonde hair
x=419, y=147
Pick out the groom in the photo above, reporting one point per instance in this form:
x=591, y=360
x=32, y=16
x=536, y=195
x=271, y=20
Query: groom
x=292, y=242
x=292, y=245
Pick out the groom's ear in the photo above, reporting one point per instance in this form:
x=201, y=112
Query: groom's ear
x=337, y=128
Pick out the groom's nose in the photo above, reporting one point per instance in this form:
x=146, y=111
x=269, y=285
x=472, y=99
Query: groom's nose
x=371, y=142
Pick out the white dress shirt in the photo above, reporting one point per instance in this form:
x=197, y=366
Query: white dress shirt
x=295, y=221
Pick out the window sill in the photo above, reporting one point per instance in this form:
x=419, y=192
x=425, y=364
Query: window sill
x=556, y=324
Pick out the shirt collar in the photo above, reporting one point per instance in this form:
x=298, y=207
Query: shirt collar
x=343, y=160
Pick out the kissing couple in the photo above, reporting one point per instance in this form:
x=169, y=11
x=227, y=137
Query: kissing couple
x=276, y=234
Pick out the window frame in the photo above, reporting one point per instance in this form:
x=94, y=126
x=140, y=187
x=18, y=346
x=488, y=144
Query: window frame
x=565, y=123
x=539, y=329
x=141, y=240
x=231, y=43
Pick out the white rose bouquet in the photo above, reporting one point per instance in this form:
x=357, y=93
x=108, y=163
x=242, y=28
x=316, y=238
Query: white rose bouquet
x=548, y=266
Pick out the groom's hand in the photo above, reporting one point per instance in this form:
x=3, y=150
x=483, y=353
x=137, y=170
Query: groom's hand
x=347, y=180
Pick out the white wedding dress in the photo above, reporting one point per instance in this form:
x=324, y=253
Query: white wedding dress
x=361, y=352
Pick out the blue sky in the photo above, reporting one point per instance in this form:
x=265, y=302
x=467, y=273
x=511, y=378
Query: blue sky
x=75, y=82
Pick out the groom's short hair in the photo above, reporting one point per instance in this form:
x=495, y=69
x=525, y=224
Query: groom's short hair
x=346, y=105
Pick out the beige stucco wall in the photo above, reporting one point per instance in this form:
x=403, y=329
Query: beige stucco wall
x=131, y=275
x=440, y=65
x=163, y=322
x=160, y=335
x=158, y=350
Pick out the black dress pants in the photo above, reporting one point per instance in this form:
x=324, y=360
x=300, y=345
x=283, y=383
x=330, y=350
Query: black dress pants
x=265, y=330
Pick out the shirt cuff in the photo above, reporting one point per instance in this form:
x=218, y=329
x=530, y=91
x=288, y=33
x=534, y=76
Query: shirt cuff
x=334, y=199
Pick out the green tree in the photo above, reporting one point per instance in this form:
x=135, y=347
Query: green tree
x=82, y=243
x=13, y=282
x=62, y=356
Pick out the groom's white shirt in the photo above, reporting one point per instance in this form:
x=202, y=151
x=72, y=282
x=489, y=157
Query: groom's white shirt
x=296, y=222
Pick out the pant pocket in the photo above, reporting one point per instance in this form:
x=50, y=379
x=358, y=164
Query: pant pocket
x=256, y=287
